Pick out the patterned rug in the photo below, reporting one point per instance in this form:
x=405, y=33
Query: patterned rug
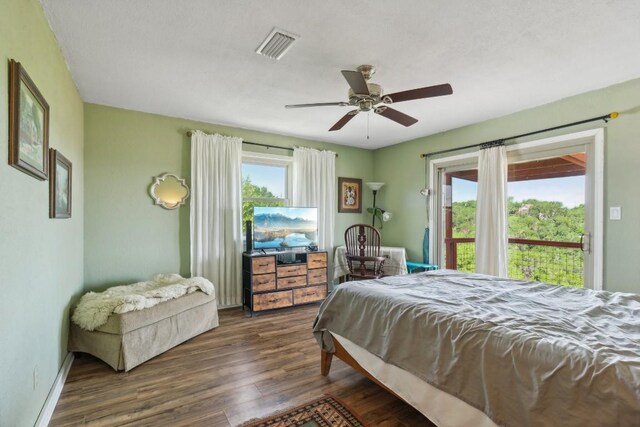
x=324, y=412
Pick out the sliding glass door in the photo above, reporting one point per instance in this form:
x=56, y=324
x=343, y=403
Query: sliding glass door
x=554, y=209
x=459, y=213
x=546, y=210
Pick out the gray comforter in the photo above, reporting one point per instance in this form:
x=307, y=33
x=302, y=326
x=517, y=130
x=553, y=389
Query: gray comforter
x=524, y=353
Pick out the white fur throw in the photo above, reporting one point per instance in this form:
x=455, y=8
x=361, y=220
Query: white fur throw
x=94, y=308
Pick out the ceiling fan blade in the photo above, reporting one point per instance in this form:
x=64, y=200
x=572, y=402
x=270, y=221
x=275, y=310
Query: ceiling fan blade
x=423, y=92
x=318, y=104
x=356, y=81
x=395, y=115
x=344, y=120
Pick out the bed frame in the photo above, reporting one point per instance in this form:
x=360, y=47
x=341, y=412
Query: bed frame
x=326, y=358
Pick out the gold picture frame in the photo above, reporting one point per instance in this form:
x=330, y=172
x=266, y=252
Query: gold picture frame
x=349, y=195
x=28, y=124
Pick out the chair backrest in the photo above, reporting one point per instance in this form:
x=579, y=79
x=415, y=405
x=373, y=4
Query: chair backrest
x=362, y=240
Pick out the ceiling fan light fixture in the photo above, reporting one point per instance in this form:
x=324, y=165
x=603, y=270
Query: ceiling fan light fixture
x=277, y=43
x=365, y=104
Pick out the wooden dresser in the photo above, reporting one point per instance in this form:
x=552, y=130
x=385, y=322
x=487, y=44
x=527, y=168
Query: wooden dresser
x=283, y=279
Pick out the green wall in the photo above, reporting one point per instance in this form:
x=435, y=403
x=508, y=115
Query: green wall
x=40, y=258
x=127, y=237
x=401, y=167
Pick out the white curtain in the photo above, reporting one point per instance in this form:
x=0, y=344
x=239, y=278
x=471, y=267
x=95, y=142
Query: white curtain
x=492, y=234
x=314, y=185
x=216, y=213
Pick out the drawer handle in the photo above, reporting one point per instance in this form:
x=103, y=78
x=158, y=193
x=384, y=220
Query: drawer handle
x=264, y=264
x=273, y=300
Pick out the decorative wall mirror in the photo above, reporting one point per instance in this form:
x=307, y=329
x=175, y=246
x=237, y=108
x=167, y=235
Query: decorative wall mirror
x=169, y=191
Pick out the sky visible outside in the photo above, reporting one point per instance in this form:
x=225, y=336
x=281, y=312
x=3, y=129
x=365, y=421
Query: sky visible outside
x=568, y=190
x=272, y=177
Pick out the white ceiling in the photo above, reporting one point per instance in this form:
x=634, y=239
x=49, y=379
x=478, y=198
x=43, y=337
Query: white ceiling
x=195, y=59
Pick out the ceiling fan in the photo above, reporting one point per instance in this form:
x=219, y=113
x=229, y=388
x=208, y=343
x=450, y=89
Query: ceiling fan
x=369, y=96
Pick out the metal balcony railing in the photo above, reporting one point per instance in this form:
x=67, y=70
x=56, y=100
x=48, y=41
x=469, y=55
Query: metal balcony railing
x=560, y=263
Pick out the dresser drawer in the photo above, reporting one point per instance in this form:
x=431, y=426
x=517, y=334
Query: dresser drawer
x=292, y=282
x=310, y=294
x=272, y=300
x=292, y=270
x=263, y=282
x=263, y=264
x=317, y=260
x=317, y=276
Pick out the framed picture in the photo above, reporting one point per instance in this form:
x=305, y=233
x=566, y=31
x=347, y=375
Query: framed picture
x=28, y=124
x=59, y=185
x=349, y=195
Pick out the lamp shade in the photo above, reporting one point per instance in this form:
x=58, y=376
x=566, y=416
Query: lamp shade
x=375, y=186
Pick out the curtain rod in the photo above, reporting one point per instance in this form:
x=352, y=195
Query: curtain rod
x=256, y=143
x=606, y=118
x=189, y=133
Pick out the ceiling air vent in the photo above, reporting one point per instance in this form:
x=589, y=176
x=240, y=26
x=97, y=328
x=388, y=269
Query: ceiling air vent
x=277, y=43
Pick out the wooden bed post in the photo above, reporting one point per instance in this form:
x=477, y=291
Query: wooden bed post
x=325, y=362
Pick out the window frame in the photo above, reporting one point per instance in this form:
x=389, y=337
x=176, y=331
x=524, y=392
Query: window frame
x=267, y=159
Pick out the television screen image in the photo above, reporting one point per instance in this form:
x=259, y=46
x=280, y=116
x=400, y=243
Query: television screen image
x=284, y=227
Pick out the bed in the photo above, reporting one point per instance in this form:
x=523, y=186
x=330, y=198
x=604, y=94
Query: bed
x=469, y=349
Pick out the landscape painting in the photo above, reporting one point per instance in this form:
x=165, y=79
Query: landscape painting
x=283, y=227
x=59, y=185
x=28, y=124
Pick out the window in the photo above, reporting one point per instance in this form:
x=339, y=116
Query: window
x=265, y=182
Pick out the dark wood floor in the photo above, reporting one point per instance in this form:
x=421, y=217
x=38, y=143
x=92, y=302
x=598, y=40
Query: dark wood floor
x=246, y=368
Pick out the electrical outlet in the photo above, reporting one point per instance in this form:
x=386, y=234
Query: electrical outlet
x=36, y=377
x=615, y=213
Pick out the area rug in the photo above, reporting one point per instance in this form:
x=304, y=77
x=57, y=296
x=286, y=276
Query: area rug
x=324, y=412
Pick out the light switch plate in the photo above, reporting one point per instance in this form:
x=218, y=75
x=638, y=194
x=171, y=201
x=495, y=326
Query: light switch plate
x=615, y=213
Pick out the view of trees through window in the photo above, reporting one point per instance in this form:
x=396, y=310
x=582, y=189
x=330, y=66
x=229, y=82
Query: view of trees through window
x=262, y=185
x=559, y=220
x=251, y=192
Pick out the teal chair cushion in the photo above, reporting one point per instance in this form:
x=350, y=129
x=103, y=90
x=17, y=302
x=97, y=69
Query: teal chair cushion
x=411, y=265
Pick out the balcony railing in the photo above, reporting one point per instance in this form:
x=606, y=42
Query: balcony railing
x=560, y=263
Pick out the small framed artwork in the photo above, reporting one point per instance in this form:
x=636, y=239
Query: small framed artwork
x=59, y=185
x=349, y=195
x=28, y=124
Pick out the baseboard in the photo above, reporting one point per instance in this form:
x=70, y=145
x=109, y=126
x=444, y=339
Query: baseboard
x=52, y=399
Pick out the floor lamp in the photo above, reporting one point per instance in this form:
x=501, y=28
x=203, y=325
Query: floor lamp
x=374, y=186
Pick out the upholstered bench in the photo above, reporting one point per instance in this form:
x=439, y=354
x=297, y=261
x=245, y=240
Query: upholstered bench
x=131, y=338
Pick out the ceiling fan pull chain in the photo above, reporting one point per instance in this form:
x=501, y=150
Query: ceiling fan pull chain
x=368, y=115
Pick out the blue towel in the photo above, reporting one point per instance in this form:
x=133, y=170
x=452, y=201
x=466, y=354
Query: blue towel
x=425, y=246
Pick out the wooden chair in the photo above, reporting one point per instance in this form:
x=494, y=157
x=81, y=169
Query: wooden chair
x=363, y=252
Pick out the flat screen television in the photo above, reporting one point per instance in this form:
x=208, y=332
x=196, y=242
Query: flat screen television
x=284, y=227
